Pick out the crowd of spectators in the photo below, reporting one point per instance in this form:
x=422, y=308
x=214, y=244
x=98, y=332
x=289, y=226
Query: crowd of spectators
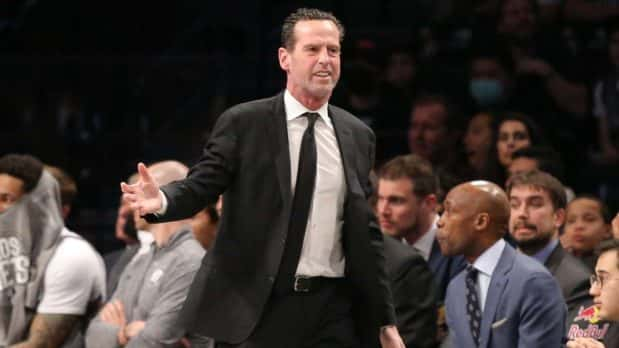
x=470, y=90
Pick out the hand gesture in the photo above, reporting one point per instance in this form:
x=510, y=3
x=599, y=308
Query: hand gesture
x=143, y=196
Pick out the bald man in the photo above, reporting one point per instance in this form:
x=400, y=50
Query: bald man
x=503, y=298
x=144, y=309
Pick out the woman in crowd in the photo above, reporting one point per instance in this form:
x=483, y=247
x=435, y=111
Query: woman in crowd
x=512, y=132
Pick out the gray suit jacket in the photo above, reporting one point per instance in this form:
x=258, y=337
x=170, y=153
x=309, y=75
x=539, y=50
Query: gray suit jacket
x=573, y=277
x=523, y=309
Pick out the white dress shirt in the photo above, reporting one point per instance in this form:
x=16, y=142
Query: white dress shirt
x=485, y=265
x=322, y=253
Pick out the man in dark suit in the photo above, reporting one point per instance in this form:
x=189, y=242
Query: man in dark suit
x=538, y=201
x=503, y=298
x=414, y=294
x=298, y=250
x=406, y=208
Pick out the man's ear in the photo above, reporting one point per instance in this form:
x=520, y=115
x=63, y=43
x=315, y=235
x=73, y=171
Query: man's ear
x=608, y=231
x=431, y=202
x=482, y=220
x=66, y=210
x=284, y=59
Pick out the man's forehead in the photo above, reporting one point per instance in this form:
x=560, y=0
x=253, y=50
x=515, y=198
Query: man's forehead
x=400, y=185
x=315, y=27
x=528, y=191
x=432, y=112
x=10, y=183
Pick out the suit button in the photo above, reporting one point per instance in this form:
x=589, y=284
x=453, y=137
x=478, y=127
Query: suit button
x=271, y=279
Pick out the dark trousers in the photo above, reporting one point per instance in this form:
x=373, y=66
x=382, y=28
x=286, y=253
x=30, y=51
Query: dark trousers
x=318, y=319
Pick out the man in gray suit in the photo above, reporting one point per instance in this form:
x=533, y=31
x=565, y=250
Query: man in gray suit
x=503, y=298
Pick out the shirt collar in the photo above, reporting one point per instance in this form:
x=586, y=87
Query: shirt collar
x=145, y=238
x=424, y=244
x=294, y=108
x=542, y=255
x=487, y=261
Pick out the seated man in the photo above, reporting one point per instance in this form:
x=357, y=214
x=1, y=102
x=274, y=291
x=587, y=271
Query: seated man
x=49, y=268
x=503, y=298
x=604, y=289
x=143, y=312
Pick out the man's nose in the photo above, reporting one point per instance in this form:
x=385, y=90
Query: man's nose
x=383, y=208
x=323, y=56
x=520, y=211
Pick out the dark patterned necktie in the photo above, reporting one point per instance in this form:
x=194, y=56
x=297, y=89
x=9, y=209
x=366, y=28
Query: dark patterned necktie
x=473, y=310
x=301, y=203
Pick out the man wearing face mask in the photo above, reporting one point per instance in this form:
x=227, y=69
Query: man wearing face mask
x=491, y=81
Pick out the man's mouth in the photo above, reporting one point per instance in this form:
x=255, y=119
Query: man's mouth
x=384, y=223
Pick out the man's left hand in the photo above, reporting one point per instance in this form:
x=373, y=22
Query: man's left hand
x=113, y=313
x=133, y=328
x=390, y=338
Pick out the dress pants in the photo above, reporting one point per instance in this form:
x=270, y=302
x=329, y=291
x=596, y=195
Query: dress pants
x=318, y=319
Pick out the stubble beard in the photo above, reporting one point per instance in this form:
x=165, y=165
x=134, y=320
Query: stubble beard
x=533, y=245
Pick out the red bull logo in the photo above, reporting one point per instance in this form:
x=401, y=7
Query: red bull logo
x=590, y=314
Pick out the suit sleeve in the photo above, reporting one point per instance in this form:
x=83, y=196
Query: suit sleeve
x=415, y=299
x=542, y=320
x=208, y=178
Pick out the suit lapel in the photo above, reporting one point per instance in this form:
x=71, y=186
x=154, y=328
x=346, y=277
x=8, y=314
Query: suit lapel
x=277, y=132
x=496, y=289
x=554, y=260
x=346, y=146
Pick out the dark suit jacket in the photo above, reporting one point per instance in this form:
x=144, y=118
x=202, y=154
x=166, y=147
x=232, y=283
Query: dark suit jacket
x=247, y=159
x=444, y=268
x=414, y=294
x=523, y=308
x=573, y=277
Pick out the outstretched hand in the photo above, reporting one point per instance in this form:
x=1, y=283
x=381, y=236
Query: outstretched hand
x=143, y=196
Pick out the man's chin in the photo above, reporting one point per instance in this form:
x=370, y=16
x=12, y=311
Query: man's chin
x=531, y=244
x=390, y=233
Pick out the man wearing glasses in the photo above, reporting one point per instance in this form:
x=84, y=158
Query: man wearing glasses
x=605, y=290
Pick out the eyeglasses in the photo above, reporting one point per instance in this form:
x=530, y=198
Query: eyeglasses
x=594, y=279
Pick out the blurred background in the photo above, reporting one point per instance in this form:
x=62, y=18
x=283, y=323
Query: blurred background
x=95, y=87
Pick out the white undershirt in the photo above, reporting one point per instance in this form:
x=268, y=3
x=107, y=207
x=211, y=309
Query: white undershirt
x=75, y=275
x=322, y=253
